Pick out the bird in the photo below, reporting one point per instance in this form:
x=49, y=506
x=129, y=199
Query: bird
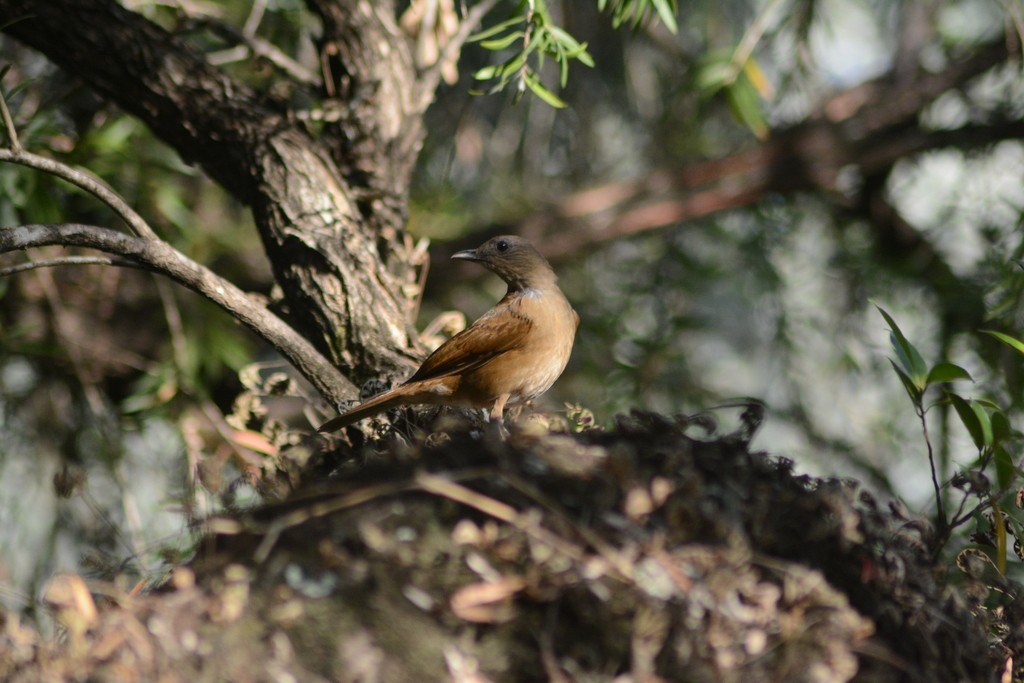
x=512, y=354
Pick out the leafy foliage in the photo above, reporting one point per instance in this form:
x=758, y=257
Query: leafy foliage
x=990, y=430
x=532, y=36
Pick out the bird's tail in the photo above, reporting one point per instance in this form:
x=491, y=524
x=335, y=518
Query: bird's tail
x=371, y=406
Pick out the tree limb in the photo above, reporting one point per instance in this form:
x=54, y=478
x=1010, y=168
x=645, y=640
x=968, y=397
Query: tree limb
x=164, y=259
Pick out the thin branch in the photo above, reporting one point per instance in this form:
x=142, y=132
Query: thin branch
x=940, y=510
x=164, y=259
x=252, y=22
x=431, y=77
x=750, y=39
x=84, y=180
x=12, y=132
x=179, y=346
x=260, y=48
x=72, y=261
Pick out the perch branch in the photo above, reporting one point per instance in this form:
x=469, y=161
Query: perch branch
x=164, y=259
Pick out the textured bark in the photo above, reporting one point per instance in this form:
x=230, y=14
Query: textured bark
x=325, y=230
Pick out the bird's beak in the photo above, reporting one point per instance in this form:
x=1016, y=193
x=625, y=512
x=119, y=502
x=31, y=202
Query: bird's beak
x=467, y=255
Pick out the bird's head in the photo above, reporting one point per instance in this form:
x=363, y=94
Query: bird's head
x=514, y=260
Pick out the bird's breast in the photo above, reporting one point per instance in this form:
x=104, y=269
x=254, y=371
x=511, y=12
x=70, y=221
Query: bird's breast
x=532, y=366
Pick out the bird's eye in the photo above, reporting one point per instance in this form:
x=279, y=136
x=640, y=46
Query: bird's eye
x=502, y=246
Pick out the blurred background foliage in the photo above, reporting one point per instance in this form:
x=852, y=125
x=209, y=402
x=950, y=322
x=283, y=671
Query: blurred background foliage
x=114, y=386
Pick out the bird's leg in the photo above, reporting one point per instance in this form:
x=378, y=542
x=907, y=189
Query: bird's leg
x=497, y=416
x=498, y=410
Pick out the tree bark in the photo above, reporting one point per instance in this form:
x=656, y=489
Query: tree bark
x=326, y=216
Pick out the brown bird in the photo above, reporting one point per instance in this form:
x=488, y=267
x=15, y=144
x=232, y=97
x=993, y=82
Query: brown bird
x=512, y=354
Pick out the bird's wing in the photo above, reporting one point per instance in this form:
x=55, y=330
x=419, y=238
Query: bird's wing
x=500, y=330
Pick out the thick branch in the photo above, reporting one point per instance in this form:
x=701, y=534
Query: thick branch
x=162, y=258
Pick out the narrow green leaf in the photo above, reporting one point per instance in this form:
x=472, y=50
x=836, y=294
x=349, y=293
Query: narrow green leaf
x=1002, y=431
x=503, y=42
x=985, y=420
x=485, y=73
x=987, y=403
x=913, y=390
x=581, y=55
x=667, y=13
x=712, y=76
x=1005, y=470
x=562, y=37
x=497, y=28
x=746, y=106
x=970, y=420
x=534, y=84
x=906, y=353
x=946, y=372
x=13, y=92
x=1007, y=339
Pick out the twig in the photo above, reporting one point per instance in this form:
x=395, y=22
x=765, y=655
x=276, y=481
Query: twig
x=172, y=315
x=940, y=508
x=75, y=354
x=263, y=49
x=448, y=488
x=272, y=532
x=750, y=40
x=470, y=21
x=86, y=181
x=166, y=260
x=252, y=22
x=12, y=132
x=72, y=261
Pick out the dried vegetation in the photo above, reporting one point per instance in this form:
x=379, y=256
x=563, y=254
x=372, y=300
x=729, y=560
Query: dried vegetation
x=636, y=554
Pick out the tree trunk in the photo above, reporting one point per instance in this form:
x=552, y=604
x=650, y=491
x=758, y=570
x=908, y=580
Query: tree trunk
x=329, y=211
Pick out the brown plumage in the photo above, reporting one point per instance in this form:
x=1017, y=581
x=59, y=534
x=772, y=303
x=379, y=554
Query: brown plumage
x=512, y=354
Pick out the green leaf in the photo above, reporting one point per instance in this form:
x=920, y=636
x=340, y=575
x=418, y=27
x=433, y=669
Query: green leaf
x=497, y=28
x=534, y=84
x=1001, y=429
x=581, y=55
x=986, y=423
x=713, y=75
x=913, y=390
x=503, y=42
x=486, y=72
x=946, y=372
x=969, y=419
x=1006, y=339
x=746, y=106
x=667, y=13
x=1005, y=470
x=909, y=357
